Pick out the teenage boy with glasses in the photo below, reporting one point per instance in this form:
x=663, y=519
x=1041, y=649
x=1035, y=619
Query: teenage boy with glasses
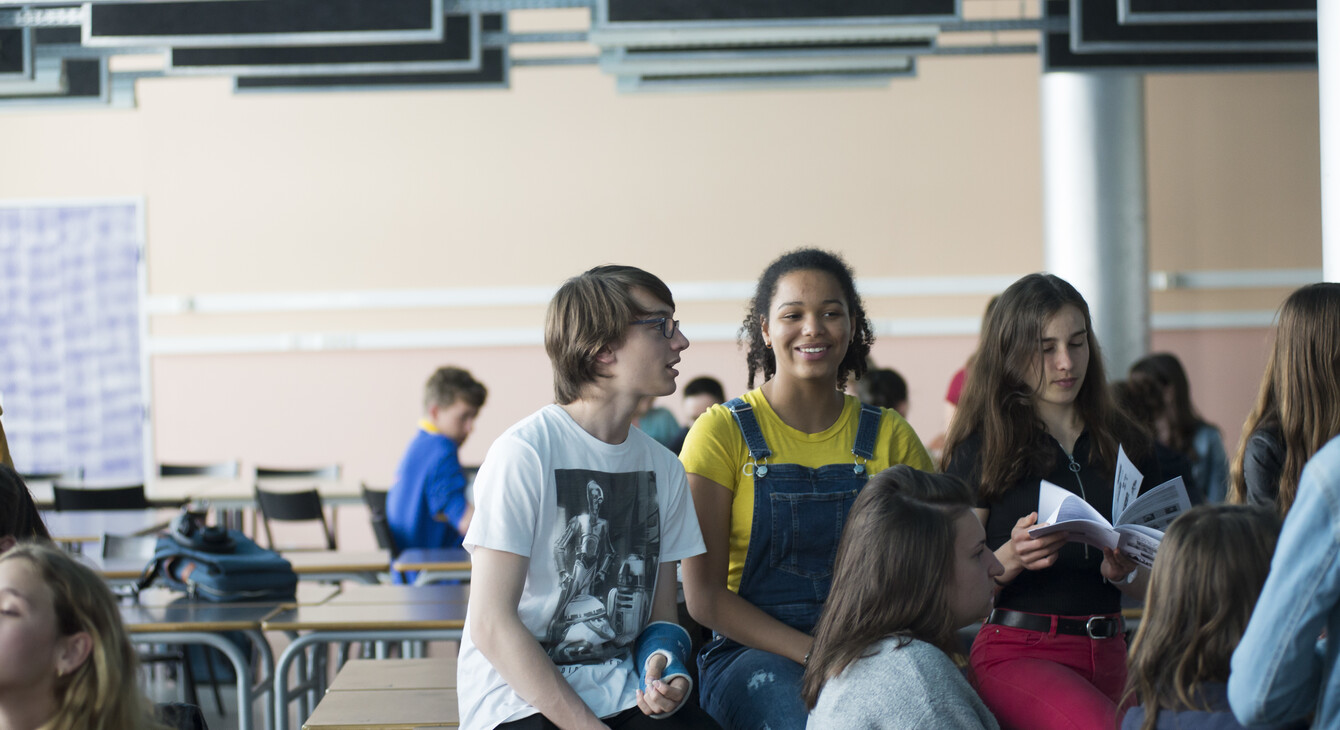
x=579, y=522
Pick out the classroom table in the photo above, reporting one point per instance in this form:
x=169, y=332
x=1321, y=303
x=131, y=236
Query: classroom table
x=85, y=526
x=363, y=566
x=382, y=593
x=329, y=623
x=116, y=570
x=388, y=709
x=307, y=594
x=360, y=675
x=434, y=564
x=186, y=621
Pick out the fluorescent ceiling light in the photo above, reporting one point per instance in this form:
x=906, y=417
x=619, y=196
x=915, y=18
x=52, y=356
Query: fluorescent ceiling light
x=758, y=34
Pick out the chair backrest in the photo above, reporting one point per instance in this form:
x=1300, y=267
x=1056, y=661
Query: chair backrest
x=74, y=475
x=180, y=716
x=299, y=506
x=129, y=546
x=222, y=470
x=331, y=472
x=69, y=498
x=375, y=499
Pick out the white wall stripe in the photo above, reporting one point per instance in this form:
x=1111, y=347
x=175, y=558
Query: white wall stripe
x=534, y=336
x=690, y=291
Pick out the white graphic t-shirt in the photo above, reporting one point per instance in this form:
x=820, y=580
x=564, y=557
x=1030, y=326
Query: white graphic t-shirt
x=596, y=521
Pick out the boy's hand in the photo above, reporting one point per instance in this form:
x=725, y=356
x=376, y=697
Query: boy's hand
x=661, y=697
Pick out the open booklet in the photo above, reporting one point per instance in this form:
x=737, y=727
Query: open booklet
x=1140, y=518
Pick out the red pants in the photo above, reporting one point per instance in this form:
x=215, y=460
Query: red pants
x=1037, y=681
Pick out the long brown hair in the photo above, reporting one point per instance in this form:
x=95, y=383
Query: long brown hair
x=1164, y=370
x=101, y=693
x=1198, y=604
x=997, y=400
x=893, y=573
x=1300, y=390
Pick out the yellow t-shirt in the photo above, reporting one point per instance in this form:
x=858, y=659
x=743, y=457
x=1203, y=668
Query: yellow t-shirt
x=715, y=449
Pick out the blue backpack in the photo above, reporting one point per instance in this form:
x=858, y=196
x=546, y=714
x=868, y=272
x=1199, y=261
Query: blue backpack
x=219, y=565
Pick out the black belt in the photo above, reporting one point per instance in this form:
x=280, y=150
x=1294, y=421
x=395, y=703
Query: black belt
x=1094, y=627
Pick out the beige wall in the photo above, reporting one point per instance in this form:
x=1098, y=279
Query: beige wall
x=937, y=176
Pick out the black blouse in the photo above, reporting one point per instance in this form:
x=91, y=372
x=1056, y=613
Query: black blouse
x=1262, y=464
x=1073, y=585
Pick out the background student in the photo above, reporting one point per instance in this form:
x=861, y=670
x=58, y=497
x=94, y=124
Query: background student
x=67, y=664
x=19, y=518
x=911, y=569
x=773, y=475
x=1206, y=579
x=701, y=393
x=1298, y=408
x=427, y=507
x=1287, y=666
x=1180, y=427
x=1036, y=406
x=885, y=388
x=1143, y=402
x=581, y=519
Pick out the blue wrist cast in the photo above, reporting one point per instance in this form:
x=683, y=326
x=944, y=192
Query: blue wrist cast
x=672, y=642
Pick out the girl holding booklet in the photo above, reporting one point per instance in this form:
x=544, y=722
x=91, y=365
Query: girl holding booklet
x=1036, y=406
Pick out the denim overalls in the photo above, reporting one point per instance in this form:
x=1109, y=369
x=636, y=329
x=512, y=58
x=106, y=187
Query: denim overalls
x=799, y=513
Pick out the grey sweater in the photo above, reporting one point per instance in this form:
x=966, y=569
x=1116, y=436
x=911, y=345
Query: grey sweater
x=916, y=686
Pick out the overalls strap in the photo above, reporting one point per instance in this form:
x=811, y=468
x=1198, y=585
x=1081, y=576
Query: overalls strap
x=748, y=423
x=867, y=430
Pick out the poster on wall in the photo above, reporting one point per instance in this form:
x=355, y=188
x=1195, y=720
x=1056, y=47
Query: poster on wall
x=70, y=329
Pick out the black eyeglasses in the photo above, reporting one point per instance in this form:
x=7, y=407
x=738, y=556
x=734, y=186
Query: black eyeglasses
x=668, y=326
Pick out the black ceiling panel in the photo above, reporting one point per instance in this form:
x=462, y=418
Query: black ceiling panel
x=15, y=52
x=269, y=22
x=1095, y=28
x=455, y=46
x=492, y=72
x=1215, y=11
x=677, y=11
x=65, y=36
x=1057, y=56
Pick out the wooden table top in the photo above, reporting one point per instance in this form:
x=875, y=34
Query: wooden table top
x=90, y=525
x=402, y=594
x=368, y=617
x=191, y=615
x=390, y=709
x=315, y=562
x=116, y=568
x=359, y=675
x=308, y=594
x=433, y=559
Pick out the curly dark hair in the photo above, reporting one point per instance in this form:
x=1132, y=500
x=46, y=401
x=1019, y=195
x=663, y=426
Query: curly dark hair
x=760, y=358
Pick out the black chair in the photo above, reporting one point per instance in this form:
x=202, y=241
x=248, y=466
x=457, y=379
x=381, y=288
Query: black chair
x=329, y=473
x=180, y=716
x=222, y=470
x=375, y=499
x=74, y=475
x=69, y=498
x=300, y=506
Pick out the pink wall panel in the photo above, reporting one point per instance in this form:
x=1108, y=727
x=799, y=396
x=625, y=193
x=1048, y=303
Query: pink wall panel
x=359, y=407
